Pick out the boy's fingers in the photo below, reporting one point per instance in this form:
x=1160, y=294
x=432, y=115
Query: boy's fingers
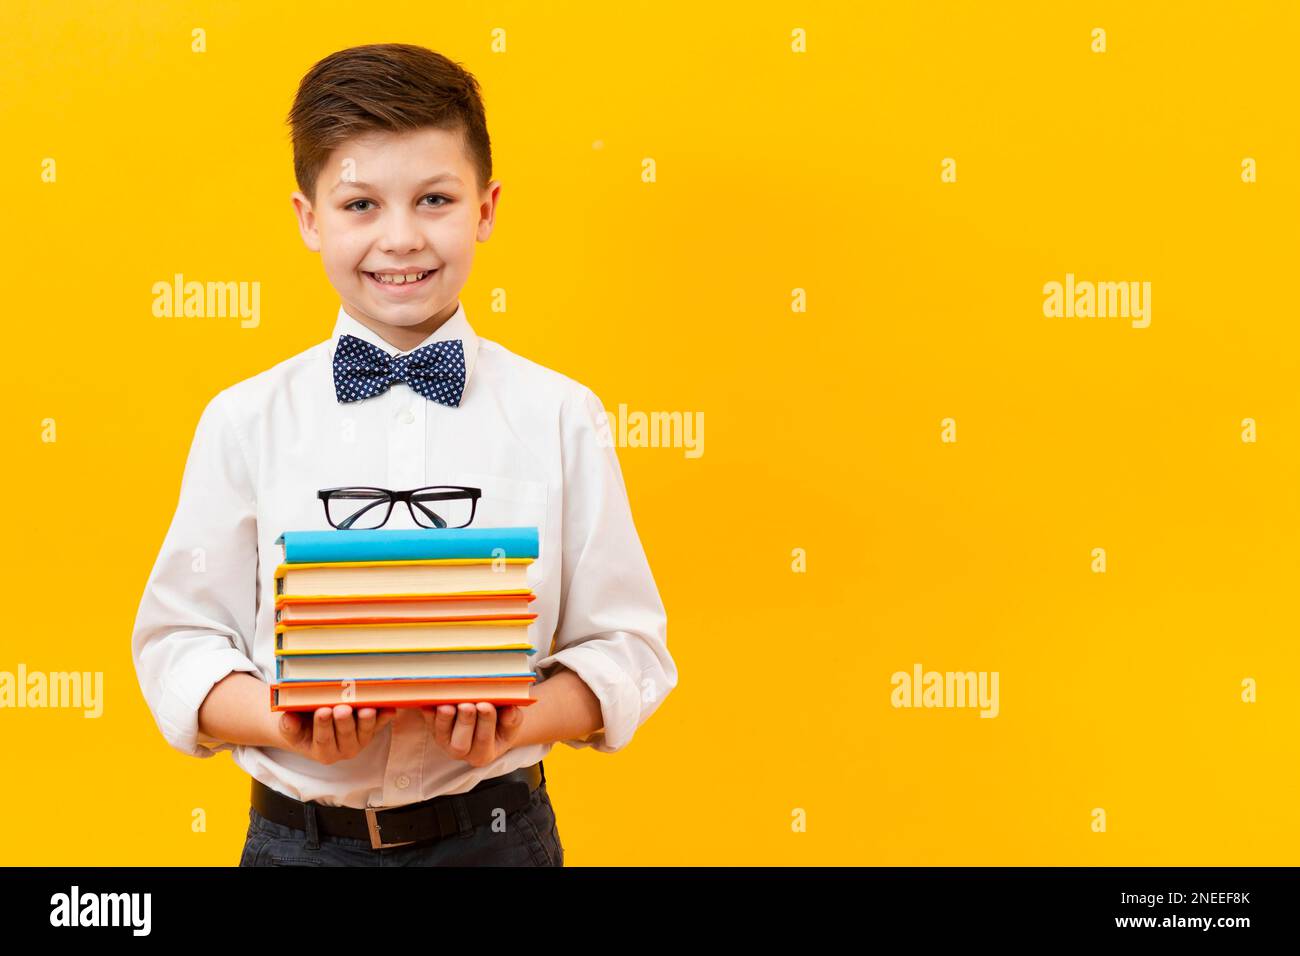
x=345, y=729
x=365, y=725
x=323, y=729
x=290, y=727
x=509, y=717
x=462, y=735
x=382, y=717
x=485, y=733
x=429, y=714
x=442, y=723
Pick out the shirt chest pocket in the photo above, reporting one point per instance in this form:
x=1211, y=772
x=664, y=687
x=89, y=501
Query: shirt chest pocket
x=507, y=502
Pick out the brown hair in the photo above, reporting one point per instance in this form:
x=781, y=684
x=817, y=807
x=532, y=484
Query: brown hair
x=393, y=87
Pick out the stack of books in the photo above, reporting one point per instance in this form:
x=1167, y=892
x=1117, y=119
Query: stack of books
x=403, y=617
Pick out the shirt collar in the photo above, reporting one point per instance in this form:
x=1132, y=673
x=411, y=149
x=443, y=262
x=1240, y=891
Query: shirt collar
x=456, y=327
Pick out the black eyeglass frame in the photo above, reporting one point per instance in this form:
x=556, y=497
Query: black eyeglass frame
x=451, y=493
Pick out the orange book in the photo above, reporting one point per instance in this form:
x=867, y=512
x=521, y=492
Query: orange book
x=308, y=695
x=403, y=608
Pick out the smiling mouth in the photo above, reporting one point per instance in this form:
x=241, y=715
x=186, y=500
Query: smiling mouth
x=401, y=281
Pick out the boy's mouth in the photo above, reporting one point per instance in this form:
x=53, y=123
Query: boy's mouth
x=401, y=282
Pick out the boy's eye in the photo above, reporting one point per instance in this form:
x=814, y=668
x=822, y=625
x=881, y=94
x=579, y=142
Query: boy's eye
x=444, y=202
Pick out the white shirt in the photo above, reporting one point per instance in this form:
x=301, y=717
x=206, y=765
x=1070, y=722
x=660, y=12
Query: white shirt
x=535, y=442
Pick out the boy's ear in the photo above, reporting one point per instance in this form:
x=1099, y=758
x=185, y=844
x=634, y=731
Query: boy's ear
x=306, y=221
x=487, y=210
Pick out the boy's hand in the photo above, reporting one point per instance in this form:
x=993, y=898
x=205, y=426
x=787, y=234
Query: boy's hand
x=332, y=734
x=474, y=733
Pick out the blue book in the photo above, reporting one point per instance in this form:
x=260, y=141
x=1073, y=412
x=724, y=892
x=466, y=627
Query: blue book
x=407, y=544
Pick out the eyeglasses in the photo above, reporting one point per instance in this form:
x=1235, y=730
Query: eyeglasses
x=359, y=507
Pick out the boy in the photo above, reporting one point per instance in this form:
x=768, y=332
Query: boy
x=393, y=162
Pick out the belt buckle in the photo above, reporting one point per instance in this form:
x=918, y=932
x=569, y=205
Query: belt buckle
x=375, y=841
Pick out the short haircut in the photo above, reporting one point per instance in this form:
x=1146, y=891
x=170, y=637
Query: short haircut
x=393, y=87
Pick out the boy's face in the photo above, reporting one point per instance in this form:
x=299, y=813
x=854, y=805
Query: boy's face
x=379, y=209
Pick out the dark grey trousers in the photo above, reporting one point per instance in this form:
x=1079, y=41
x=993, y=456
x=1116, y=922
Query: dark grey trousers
x=529, y=838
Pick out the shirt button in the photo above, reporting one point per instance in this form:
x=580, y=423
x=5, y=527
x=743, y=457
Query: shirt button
x=402, y=782
x=407, y=416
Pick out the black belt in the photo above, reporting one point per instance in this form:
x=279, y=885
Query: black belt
x=427, y=820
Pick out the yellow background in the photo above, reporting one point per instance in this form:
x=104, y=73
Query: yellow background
x=776, y=171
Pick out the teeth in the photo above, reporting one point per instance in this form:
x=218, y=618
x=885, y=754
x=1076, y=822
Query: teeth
x=400, y=279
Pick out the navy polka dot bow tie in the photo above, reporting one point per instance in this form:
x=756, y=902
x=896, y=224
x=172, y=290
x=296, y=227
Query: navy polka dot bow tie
x=436, y=370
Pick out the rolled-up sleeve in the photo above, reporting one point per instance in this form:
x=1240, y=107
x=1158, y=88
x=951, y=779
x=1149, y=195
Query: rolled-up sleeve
x=197, y=616
x=612, y=626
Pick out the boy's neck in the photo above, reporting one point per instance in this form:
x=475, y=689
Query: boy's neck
x=406, y=337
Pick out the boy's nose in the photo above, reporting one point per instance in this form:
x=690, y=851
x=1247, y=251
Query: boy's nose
x=401, y=235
